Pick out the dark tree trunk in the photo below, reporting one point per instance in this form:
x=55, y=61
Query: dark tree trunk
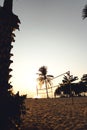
x=8, y=22
x=10, y=104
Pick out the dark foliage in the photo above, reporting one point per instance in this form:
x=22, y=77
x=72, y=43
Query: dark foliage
x=11, y=105
x=76, y=88
x=43, y=70
x=67, y=87
x=84, y=12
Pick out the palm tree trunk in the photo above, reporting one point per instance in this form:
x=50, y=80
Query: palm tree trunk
x=37, y=90
x=46, y=89
x=11, y=105
x=51, y=92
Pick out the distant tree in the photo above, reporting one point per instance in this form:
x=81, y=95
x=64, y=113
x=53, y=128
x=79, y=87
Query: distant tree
x=44, y=78
x=69, y=78
x=67, y=87
x=84, y=12
x=67, y=83
x=11, y=105
x=57, y=91
x=83, y=83
x=84, y=79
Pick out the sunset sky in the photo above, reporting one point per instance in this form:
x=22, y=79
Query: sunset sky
x=52, y=33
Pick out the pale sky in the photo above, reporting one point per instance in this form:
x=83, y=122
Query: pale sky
x=52, y=33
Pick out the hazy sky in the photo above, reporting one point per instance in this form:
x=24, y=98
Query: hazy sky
x=52, y=33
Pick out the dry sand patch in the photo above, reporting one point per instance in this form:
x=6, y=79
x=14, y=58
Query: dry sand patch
x=56, y=114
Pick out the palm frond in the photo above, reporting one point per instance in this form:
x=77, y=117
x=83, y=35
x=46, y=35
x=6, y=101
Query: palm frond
x=40, y=81
x=50, y=77
x=43, y=70
x=84, y=12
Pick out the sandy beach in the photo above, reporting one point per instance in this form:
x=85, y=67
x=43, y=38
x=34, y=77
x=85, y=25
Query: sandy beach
x=56, y=114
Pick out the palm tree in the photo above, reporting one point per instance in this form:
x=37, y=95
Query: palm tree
x=83, y=83
x=45, y=79
x=84, y=12
x=66, y=86
x=11, y=105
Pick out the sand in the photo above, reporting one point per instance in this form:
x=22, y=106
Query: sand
x=56, y=114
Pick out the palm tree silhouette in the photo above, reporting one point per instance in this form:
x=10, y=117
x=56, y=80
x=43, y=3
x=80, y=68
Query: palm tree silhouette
x=45, y=79
x=11, y=105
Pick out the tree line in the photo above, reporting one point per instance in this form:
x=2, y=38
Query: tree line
x=70, y=88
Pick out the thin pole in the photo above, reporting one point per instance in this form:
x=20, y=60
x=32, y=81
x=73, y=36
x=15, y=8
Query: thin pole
x=70, y=86
x=46, y=89
x=61, y=75
x=37, y=90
